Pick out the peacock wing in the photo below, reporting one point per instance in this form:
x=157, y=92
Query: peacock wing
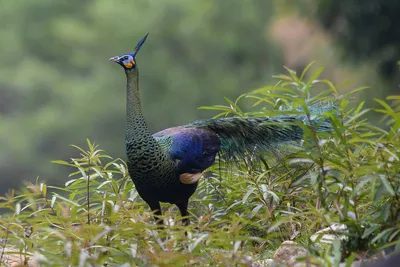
x=193, y=149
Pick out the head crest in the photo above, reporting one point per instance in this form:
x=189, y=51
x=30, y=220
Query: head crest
x=139, y=45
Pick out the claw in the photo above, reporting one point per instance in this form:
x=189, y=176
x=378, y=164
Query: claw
x=189, y=178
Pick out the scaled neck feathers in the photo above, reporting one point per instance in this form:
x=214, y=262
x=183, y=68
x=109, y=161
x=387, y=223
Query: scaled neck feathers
x=136, y=126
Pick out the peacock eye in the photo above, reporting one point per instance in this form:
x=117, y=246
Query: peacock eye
x=125, y=57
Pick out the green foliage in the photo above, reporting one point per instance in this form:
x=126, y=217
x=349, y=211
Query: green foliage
x=348, y=177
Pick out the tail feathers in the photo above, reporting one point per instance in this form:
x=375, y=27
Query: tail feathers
x=275, y=136
x=243, y=136
x=320, y=123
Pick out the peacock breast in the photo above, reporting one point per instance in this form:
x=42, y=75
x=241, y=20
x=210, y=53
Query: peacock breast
x=149, y=166
x=152, y=175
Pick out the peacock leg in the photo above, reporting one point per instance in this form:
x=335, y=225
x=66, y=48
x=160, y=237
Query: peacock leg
x=183, y=206
x=156, y=208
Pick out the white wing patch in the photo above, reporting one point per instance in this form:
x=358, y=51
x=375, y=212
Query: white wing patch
x=189, y=178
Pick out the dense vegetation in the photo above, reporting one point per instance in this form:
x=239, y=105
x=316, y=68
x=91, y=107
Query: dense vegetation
x=240, y=215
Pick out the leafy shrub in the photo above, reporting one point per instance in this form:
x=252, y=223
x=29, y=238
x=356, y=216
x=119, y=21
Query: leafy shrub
x=350, y=177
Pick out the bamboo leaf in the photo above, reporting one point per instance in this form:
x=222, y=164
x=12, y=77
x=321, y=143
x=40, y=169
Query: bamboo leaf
x=387, y=185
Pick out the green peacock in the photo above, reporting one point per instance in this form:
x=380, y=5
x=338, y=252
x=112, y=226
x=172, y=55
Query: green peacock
x=166, y=166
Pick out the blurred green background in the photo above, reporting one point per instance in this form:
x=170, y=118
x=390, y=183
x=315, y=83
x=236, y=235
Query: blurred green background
x=58, y=88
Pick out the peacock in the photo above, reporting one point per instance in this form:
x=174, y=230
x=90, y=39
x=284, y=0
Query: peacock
x=166, y=166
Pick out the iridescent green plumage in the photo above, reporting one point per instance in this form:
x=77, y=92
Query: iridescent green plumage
x=166, y=166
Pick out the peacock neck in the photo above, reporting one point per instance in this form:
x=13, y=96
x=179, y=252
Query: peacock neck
x=136, y=126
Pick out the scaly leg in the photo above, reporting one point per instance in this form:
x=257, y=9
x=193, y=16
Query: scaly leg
x=183, y=206
x=156, y=208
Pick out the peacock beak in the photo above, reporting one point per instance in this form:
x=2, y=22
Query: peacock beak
x=114, y=59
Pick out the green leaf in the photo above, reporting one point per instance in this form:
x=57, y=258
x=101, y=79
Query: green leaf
x=381, y=235
x=359, y=89
x=53, y=201
x=359, y=107
x=370, y=230
x=292, y=74
x=217, y=107
x=305, y=70
x=43, y=189
x=284, y=77
x=393, y=97
x=62, y=162
x=193, y=245
x=353, y=118
x=248, y=193
x=67, y=200
x=233, y=106
x=350, y=259
x=104, y=183
x=314, y=76
x=388, y=110
x=387, y=185
x=331, y=86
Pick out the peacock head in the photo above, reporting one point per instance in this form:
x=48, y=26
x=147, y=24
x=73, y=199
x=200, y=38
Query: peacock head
x=127, y=61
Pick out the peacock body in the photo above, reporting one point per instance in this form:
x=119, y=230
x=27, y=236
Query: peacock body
x=166, y=166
